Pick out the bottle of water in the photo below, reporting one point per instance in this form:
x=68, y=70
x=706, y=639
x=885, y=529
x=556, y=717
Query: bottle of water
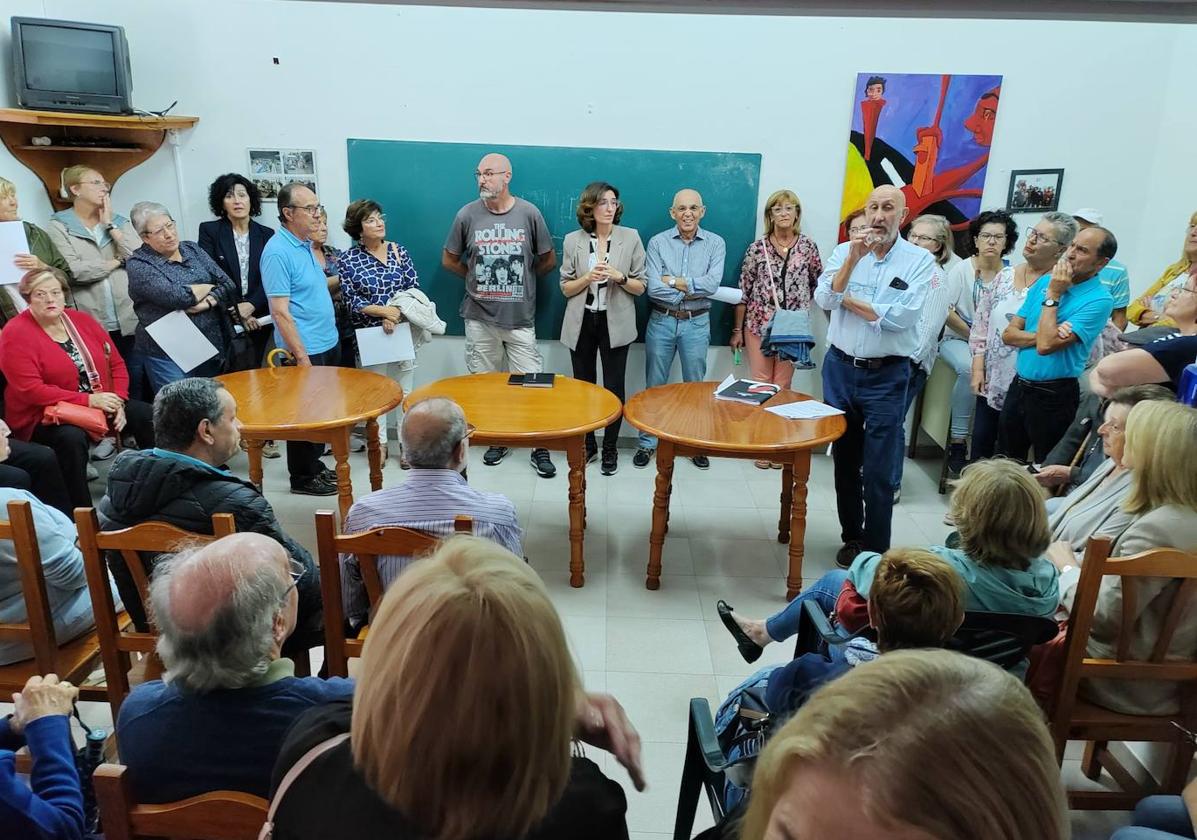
x=1187, y=391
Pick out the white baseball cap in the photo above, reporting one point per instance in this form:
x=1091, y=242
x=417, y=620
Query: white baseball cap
x=1089, y=214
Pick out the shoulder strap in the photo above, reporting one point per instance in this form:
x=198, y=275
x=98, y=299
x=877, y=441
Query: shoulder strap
x=293, y=774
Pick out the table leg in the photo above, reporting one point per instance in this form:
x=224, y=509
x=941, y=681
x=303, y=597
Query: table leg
x=787, y=502
x=374, y=453
x=340, y=448
x=656, y=539
x=255, y=461
x=577, y=508
x=801, y=467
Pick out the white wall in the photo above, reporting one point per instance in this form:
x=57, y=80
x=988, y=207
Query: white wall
x=1109, y=102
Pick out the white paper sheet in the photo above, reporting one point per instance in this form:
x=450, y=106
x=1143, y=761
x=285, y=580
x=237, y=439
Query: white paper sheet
x=12, y=242
x=728, y=294
x=181, y=339
x=377, y=348
x=264, y=321
x=805, y=410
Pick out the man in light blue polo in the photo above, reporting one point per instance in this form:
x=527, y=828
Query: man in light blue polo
x=684, y=267
x=302, y=311
x=875, y=286
x=1115, y=276
x=1063, y=314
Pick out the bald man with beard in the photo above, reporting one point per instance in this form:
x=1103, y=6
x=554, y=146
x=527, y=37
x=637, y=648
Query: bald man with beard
x=874, y=286
x=217, y=719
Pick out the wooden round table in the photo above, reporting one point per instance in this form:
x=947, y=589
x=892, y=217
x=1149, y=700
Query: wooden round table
x=549, y=418
x=687, y=421
x=318, y=404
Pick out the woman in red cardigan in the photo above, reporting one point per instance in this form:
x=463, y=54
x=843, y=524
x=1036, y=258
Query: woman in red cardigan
x=50, y=354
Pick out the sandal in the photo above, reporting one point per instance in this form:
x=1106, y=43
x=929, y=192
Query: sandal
x=749, y=649
x=762, y=465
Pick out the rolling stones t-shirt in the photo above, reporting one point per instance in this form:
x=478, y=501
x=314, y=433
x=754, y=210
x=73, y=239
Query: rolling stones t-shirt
x=499, y=249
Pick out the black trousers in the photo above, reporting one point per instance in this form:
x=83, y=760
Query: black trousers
x=303, y=458
x=71, y=445
x=1035, y=416
x=985, y=430
x=33, y=467
x=594, y=343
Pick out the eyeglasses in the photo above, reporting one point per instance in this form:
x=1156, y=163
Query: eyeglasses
x=100, y=183
x=490, y=173
x=992, y=237
x=48, y=294
x=778, y=209
x=1034, y=236
x=376, y=219
x=918, y=237
x=469, y=432
x=169, y=227
x=297, y=572
x=311, y=209
x=857, y=229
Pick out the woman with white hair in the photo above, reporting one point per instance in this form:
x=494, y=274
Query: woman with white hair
x=169, y=275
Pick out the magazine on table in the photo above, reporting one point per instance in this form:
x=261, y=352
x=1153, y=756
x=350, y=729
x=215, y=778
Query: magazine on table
x=746, y=391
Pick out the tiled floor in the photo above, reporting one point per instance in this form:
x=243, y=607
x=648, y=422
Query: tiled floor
x=656, y=650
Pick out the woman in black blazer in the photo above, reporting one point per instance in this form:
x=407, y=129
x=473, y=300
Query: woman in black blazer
x=235, y=241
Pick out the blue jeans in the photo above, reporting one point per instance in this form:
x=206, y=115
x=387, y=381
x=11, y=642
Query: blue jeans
x=955, y=352
x=162, y=371
x=824, y=591
x=918, y=378
x=665, y=336
x=873, y=402
x=1158, y=818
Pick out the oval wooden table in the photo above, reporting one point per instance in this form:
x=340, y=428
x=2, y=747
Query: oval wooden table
x=318, y=404
x=687, y=421
x=550, y=418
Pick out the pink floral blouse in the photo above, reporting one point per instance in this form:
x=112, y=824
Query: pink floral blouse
x=801, y=272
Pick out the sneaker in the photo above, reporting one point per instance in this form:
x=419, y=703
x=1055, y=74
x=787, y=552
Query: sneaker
x=957, y=458
x=591, y=452
x=494, y=455
x=702, y=462
x=357, y=442
x=104, y=450
x=847, y=553
x=315, y=485
x=897, y=495
x=642, y=457
x=610, y=463
x=949, y=520
x=270, y=450
x=92, y=473
x=542, y=464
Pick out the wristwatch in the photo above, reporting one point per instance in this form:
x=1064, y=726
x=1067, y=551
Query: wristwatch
x=1050, y=302
x=672, y=282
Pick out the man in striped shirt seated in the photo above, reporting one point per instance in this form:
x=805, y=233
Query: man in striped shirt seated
x=436, y=441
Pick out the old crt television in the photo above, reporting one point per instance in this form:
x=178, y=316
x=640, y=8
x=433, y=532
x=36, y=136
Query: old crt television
x=63, y=65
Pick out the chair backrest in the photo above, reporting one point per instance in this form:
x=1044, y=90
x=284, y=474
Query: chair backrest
x=117, y=642
x=367, y=547
x=38, y=629
x=1005, y=639
x=220, y=815
x=1156, y=563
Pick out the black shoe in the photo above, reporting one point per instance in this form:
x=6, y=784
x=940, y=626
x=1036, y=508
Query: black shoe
x=702, y=462
x=642, y=457
x=957, y=458
x=329, y=475
x=749, y=649
x=610, y=463
x=847, y=553
x=591, y=452
x=541, y=463
x=494, y=455
x=314, y=485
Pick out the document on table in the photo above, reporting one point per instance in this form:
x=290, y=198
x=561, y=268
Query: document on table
x=12, y=242
x=377, y=348
x=181, y=339
x=728, y=294
x=805, y=410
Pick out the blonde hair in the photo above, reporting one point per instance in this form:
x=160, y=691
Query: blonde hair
x=1161, y=448
x=777, y=198
x=947, y=744
x=943, y=235
x=72, y=176
x=463, y=715
x=31, y=280
x=1000, y=514
x=7, y=187
x=916, y=600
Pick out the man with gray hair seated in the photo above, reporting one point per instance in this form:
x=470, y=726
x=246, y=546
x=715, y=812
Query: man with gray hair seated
x=218, y=717
x=435, y=439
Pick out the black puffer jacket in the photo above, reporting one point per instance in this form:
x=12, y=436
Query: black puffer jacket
x=145, y=487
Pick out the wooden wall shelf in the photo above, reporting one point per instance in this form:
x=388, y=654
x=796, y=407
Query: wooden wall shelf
x=18, y=127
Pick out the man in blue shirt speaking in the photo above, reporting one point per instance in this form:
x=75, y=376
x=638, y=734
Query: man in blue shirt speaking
x=1063, y=314
x=875, y=285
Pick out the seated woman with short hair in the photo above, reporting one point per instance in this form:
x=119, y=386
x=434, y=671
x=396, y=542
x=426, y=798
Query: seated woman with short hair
x=462, y=719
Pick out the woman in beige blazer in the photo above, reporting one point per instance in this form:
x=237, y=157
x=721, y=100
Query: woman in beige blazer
x=602, y=270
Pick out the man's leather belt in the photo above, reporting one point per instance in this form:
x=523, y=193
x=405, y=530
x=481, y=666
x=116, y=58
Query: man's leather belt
x=867, y=364
x=680, y=314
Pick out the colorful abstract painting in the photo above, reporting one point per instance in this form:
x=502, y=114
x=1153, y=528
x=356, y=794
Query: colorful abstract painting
x=927, y=134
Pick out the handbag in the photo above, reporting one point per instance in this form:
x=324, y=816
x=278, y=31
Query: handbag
x=788, y=334
x=294, y=773
x=91, y=420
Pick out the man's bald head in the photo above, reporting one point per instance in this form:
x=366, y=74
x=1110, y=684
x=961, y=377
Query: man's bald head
x=687, y=211
x=885, y=210
x=432, y=433
x=494, y=176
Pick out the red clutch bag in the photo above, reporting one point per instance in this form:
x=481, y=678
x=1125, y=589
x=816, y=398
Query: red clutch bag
x=91, y=420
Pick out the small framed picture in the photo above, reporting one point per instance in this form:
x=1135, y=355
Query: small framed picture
x=1034, y=190
x=273, y=169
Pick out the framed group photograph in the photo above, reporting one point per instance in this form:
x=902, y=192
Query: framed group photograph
x=270, y=169
x=1034, y=190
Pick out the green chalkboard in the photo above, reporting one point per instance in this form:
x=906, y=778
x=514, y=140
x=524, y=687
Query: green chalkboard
x=421, y=186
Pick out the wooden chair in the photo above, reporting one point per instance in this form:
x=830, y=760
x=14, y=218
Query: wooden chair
x=1074, y=718
x=117, y=642
x=221, y=815
x=367, y=546
x=73, y=661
